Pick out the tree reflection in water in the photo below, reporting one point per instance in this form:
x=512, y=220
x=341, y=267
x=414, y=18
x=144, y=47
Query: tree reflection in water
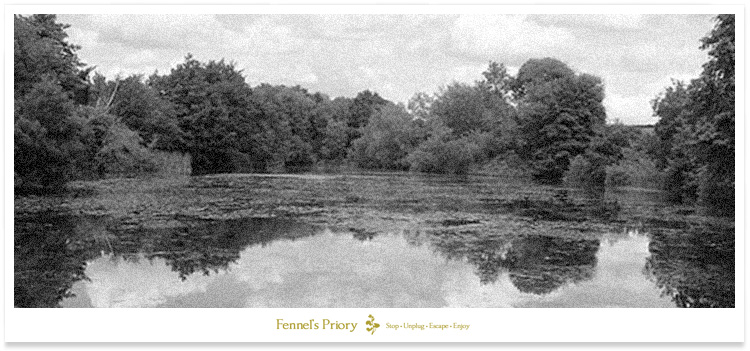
x=536, y=264
x=203, y=246
x=49, y=256
x=541, y=264
x=694, y=267
x=51, y=249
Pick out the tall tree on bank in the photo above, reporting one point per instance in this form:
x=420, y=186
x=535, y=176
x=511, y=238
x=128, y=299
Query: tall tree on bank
x=559, y=114
x=389, y=136
x=714, y=127
x=47, y=78
x=41, y=51
x=696, y=126
x=223, y=128
x=360, y=110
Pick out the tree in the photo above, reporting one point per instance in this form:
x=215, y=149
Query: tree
x=559, y=111
x=223, y=127
x=460, y=107
x=420, y=105
x=497, y=80
x=45, y=137
x=696, y=126
x=442, y=152
x=714, y=127
x=336, y=135
x=386, y=140
x=538, y=71
x=41, y=49
x=672, y=108
x=298, y=121
x=468, y=108
x=589, y=169
x=140, y=108
x=47, y=76
x=673, y=132
x=360, y=110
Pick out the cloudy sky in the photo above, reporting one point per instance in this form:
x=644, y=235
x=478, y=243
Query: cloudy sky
x=399, y=55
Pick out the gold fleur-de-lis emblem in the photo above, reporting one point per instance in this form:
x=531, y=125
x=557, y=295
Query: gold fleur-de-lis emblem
x=372, y=325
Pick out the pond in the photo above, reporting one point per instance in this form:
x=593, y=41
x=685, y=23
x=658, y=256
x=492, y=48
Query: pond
x=560, y=252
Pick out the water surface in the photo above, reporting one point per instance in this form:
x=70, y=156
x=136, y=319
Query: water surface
x=264, y=262
x=435, y=242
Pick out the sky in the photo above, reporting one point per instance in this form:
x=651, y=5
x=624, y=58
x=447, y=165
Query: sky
x=399, y=55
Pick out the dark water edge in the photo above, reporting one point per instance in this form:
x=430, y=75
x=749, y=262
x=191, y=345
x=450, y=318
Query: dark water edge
x=625, y=257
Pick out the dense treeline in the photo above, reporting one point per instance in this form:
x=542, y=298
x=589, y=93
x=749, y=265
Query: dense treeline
x=64, y=123
x=696, y=126
x=546, y=122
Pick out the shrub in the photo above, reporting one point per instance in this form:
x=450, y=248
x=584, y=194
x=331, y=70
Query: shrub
x=508, y=164
x=111, y=149
x=386, y=140
x=171, y=163
x=586, y=170
x=635, y=169
x=122, y=153
x=441, y=154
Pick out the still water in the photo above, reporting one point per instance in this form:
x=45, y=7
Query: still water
x=67, y=261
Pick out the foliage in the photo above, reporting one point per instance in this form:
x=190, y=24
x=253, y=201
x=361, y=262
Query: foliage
x=508, y=164
x=696, y=126
x=46, y=79
x=497, y=80
x=386, y=140
x=442, y=153
x=360, y=110
x=41, y=52
x=420, y=105
x=113, y=148
x=539, y=71
x=548, y=119
x=45, y=137
x=469, y=108
x=559, y=113
x=586, y=170
x=140, y=108
x=288, y=127
x=63, y=126
x=298, y=126
x=213, y=108
x=635, y=169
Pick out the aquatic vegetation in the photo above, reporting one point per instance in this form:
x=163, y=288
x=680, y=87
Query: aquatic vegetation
x=535, y=239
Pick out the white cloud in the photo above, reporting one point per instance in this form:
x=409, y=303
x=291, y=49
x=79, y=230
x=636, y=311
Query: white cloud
x=262, y=37
x=608, y=21
x=615, y=20
x=630, y=109
x=490, y=36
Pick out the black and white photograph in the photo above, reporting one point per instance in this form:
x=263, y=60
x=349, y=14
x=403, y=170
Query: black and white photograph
x=342, y=161
x=373, y=161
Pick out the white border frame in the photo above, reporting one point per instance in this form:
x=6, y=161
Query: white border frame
x=256, y=325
